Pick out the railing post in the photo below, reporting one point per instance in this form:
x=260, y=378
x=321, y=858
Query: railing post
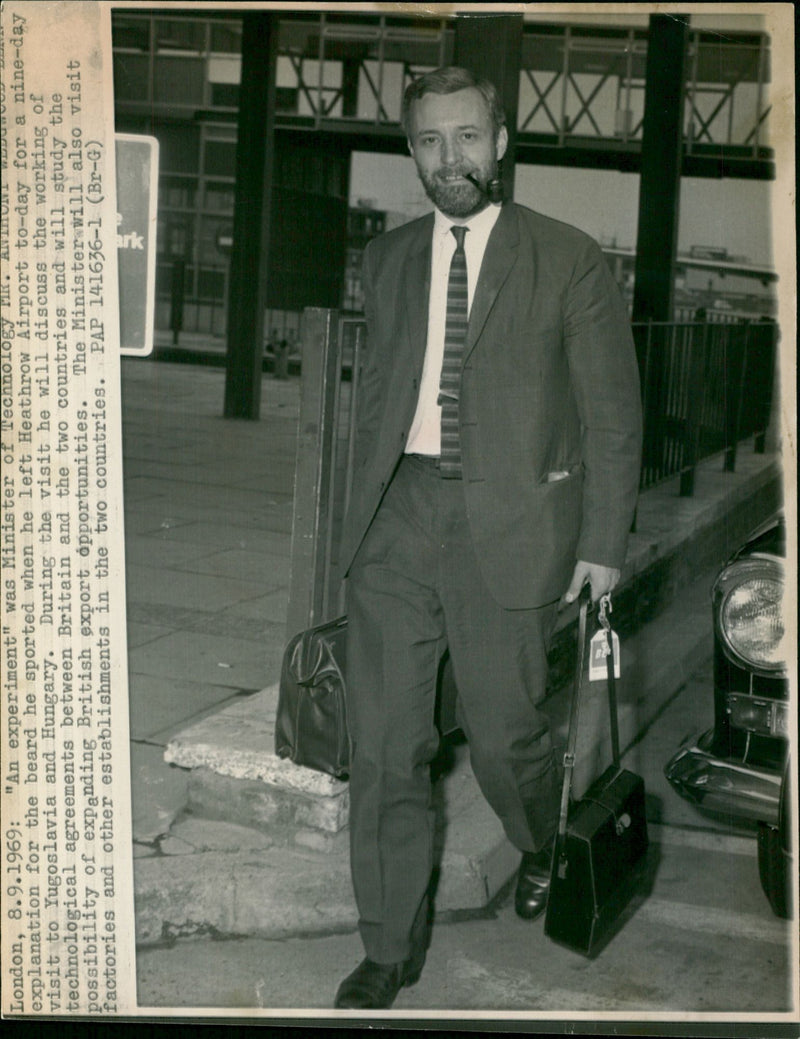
x=313, y=488
x=698, y=350
x=767, y=423
x=734, y=396
x=177, y=289
x=644, y=331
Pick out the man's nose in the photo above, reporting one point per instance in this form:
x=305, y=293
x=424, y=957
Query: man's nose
x=450, y=152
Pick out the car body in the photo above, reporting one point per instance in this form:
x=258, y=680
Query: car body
x=740, y=767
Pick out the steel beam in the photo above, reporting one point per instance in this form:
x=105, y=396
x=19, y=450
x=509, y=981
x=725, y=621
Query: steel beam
x=491, y=46
x=659, y=190
x=251, y=217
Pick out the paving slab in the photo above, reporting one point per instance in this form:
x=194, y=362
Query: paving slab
x=158, y=792
x=159, y=703
x=141, y=520
x=267, y=608
x=147, y=550
x=270, y=571
x=176, y=493
x=221, y=535
x=141, y=634
x=207, y=835
x=211, y=659
x=272, y=515
x=177, y=587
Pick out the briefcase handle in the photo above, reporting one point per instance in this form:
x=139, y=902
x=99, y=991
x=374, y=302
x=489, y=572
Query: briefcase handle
x=572, y=737
x=605, y=603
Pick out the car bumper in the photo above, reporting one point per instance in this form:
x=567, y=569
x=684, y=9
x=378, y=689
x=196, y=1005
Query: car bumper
x=721, y=785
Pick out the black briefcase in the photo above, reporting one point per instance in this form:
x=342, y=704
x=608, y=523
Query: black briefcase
x=601, y=842
x=311, y=719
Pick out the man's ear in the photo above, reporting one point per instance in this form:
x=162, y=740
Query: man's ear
x=410, y=147
x=502, y=142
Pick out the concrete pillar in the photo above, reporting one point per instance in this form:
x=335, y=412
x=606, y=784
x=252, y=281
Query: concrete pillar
x=251, y=219
x=662, y=147
x=490, y=45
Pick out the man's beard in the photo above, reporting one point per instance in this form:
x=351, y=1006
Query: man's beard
x=457, y=199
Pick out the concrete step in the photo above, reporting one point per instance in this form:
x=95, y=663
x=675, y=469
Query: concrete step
x=278, y=873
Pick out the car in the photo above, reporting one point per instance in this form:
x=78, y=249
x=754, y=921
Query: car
x=741, y=766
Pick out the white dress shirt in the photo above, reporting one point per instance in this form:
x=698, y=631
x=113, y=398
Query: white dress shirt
x=425, y=434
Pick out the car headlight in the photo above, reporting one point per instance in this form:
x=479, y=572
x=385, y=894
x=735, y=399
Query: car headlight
x=750, y=613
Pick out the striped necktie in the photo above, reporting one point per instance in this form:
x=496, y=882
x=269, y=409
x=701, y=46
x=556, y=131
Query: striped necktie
x=455, y=333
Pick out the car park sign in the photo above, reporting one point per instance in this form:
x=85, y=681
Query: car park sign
x=137, y=195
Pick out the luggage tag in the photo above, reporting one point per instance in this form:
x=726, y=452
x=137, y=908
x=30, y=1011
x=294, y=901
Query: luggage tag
x=599, y=648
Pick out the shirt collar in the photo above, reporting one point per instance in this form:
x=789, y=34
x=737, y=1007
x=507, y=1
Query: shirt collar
x=481, y=223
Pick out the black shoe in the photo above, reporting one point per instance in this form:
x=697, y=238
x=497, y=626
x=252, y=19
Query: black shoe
x=374, y=986
x=533, y=883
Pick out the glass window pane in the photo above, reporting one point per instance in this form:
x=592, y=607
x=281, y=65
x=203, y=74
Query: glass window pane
x=178, y=80
x=220, y=158
x=174, y=237
x=226, y=39
x=210, y=284
x=215, y=232
x=131, y=72
x=130, y=32
x=180, y=34
x=225, y=95
x=219, y=197
x=179, y=148
x=177, y=192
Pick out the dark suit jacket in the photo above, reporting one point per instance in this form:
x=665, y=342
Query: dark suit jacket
x=549, y=384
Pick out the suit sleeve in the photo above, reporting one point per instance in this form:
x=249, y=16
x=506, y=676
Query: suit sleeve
x=604, y=376
x=370, y=385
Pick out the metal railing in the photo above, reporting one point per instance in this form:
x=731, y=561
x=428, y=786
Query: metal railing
x=705, y=387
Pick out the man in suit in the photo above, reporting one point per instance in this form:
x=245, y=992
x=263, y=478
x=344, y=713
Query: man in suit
x=496, y=472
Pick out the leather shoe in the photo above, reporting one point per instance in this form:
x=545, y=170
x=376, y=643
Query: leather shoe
x=533, y=883
x=374, y=986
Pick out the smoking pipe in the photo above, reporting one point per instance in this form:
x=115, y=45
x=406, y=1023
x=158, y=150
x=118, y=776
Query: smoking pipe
x=493, y=189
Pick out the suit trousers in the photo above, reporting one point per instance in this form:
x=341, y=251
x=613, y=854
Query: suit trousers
x=414, y=589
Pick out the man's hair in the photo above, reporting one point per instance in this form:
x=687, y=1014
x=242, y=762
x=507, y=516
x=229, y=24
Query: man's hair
x=447, y=80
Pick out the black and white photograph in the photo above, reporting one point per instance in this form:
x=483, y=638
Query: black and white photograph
x=400, y=519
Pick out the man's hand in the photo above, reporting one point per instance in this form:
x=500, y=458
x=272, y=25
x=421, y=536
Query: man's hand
x=602, y=579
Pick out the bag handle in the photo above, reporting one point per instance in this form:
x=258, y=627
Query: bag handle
x=605, y=603
x=572, y=738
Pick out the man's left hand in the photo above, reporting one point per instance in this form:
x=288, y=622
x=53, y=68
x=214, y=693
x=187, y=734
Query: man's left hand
x=602, y=580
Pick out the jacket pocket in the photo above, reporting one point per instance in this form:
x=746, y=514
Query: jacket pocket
x=557, y=474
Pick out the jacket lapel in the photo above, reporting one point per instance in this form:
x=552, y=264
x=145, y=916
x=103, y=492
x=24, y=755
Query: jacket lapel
x=499, y=258
x=417, y=291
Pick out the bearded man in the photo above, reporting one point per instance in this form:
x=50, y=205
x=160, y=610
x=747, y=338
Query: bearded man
x=496, y=472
